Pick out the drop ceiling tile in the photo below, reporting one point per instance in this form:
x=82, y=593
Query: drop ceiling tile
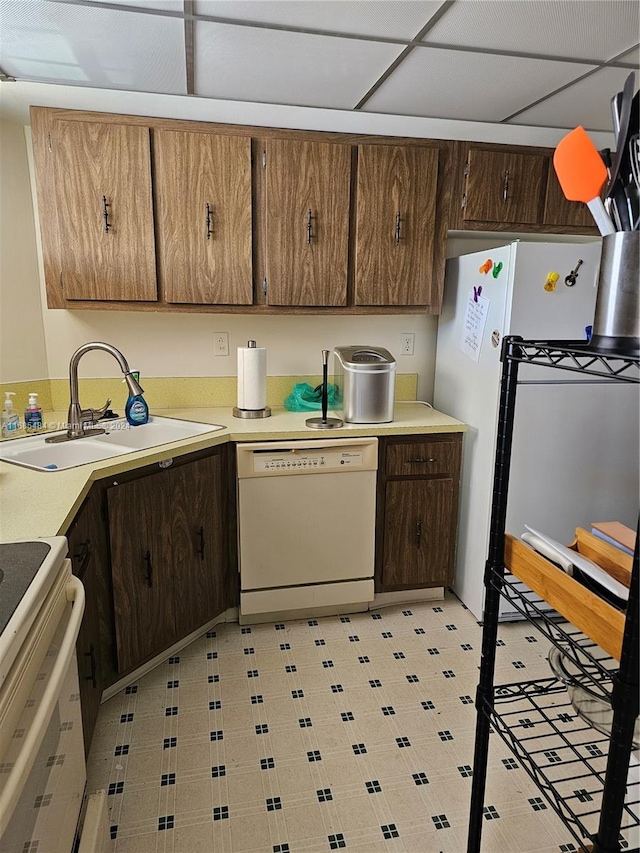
x=159, y=5
x=363, y=17
x=633, y=56
x=57, y=42
x=582, y=29
x=586, y=102
x=269, y=66
x=452, y=84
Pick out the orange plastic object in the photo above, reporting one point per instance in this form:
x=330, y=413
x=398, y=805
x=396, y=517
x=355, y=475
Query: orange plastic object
x=579, y=166
x=486, y=266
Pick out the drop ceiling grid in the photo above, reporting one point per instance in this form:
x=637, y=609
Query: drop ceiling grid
x=568, y=108
x=460, y=85
x=106, y=48
x=578, y=29
x=270, y=66
x=401, y=20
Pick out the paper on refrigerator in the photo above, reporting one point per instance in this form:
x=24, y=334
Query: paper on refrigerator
x=475, y=318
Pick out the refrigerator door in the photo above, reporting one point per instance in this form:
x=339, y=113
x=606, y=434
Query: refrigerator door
x=561, y=313
x=587, y=435
x=469, y=390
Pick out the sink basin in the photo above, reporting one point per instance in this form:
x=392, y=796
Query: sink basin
x=119, y=439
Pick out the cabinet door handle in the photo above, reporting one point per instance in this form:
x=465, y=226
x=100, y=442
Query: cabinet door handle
x=201, y=547
x=149, y=571
x=82, y=554
x=420, y=461
x=91, y=654
x=208, y=221
x=310, y=234
x=105, y=214
x=505, y=188
x=398, y=228
x=418, y=533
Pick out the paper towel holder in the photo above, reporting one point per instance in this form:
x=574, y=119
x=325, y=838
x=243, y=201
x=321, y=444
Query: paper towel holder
x=252, y=413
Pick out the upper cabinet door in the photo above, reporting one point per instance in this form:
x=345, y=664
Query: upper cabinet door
x=203, y=191
x=504, y=187
x=105, y=212
x=396, y=204
x=307, y=222
x=558, y=210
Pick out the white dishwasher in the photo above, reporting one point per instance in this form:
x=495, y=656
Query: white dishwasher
x=306, y=526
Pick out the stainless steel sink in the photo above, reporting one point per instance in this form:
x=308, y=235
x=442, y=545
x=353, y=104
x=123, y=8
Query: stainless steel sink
x=119, y=439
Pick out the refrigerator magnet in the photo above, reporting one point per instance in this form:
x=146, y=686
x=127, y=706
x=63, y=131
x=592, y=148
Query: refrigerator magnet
x=495, y=338
x=486, y=266
x=497, y=269
x=552, y=280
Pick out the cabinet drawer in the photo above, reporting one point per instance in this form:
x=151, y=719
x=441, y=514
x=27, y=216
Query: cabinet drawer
x=422, y=457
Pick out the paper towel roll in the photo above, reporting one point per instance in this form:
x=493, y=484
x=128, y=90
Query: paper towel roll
x=252, y=377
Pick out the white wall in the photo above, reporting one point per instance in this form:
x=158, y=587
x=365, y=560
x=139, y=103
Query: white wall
x=181, y=345
x=22, y=342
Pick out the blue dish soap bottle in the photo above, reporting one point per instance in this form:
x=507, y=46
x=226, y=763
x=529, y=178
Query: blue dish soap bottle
x=136, y=410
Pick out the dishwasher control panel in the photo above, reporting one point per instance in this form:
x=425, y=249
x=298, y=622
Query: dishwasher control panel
x=293, y=458
x=306, y=460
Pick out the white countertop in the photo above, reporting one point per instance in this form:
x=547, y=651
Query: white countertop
x=43, y=503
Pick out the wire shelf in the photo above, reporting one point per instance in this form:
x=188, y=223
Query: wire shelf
x=575, y=356
x=564, y=756
x=595, y=666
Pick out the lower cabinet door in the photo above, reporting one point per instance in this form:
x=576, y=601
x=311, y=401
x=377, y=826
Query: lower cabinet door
x=418, y=541
x=198, y=541
x=140, y=514
x=88, y=654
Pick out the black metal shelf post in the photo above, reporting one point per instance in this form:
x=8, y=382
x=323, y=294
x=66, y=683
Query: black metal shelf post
x=579, y=755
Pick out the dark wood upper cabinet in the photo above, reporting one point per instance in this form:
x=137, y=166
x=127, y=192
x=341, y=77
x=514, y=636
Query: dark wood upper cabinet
x=558, y=210
x=307, y=222
x=504, y=187
x=395, y=225
x=104, y=209
x=203, y=194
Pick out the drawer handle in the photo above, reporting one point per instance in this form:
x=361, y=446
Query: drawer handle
x=418, y=533
x=420, y=461
x=505, y=188
x=92, y=659
x=201, y=548
x=398, y=228
x=310, y=234
x=149, y=572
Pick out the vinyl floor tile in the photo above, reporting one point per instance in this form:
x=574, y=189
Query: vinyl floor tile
x=353, y=730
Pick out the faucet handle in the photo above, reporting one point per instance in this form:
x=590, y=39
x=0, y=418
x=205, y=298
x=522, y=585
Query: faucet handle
x=93, y=415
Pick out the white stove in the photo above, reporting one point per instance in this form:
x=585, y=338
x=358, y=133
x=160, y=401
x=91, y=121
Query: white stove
x=42, y=762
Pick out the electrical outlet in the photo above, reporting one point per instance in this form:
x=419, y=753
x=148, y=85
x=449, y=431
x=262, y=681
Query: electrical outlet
x=221, y=343
x=406, y=343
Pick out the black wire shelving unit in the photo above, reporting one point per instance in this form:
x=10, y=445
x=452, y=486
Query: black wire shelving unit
x=584, y=775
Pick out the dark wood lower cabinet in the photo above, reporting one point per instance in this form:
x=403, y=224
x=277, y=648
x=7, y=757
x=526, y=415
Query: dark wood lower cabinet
x=169, y=554
x=86, y=558
x=139, y=531
x=418, y=483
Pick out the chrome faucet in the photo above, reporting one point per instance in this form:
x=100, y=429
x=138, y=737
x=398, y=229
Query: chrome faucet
x=81, y=421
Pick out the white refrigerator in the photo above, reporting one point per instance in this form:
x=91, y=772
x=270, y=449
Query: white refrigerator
x=575, y=443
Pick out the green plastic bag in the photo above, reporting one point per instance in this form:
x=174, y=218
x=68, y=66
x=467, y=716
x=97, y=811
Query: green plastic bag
x=304, y=398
